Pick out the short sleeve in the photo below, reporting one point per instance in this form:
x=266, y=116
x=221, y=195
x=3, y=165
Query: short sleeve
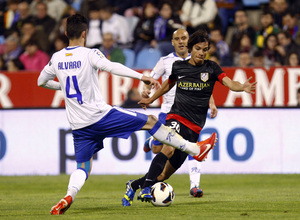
x=219, y=73
x=49, y=70
x=158, y=70
x=95, y=56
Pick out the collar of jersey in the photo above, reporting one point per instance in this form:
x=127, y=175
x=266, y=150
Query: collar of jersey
x=178, y=56
x=71, y=48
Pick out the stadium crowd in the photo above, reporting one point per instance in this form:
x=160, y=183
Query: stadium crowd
x=263, y=34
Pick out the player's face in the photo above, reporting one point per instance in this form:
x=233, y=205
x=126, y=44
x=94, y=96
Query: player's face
x=198, y=53
x=179, y=42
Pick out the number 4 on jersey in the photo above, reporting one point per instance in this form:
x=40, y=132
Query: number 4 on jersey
x=78, y=93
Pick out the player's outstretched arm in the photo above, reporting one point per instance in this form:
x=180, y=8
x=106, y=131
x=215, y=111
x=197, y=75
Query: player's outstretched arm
x=166, y=86
x=149, y=81
x=213, y=107
x=238, y=87
x=121, y=70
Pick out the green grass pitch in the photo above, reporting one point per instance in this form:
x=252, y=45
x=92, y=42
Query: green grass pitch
x=225, y=197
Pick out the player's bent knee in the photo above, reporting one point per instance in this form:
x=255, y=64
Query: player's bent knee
x=150, y=122
x=152, y=119
x=168, y=151
x=156, y=149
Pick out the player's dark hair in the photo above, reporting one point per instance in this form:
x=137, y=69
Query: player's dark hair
x=199, y=36
x=76, y=24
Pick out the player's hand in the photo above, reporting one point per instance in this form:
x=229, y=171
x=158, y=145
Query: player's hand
x=249, y=87
x=144, y=102
x=146, y=93
x=213, y=110
x=151, y=82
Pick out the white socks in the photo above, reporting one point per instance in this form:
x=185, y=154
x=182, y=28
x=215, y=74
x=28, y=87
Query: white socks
x=194, y=171
x=77, y=180
x=168, y=136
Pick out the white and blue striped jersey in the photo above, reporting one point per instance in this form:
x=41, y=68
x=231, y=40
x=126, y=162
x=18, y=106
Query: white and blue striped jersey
x=163, y=69
x=77, y=71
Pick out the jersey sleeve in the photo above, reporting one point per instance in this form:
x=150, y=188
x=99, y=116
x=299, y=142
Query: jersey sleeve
x=47, y=75
x=158, y=70
x=49, y=70
x=219, y=73
x=95, y=56
x=99, y=61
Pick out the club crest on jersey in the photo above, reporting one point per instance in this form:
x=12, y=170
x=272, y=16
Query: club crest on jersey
x=204, y=77
x=99, y=53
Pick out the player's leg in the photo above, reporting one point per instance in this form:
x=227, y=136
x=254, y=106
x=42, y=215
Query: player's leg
x=138, y=183
x=177, y=160
x=168, y=136
x=78, y=178
x=167, y=172
x=121, y=123
x=158, y=163
x=87, y=141
x=156, y=147
x=194, y=172
x=156, y=168
x=179, y=157
x=153, y=144
x=76, y=181
x=131, y=187
x=148, y=144
x=171, y=165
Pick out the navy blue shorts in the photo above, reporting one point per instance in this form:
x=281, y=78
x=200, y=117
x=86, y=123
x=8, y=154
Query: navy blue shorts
x=162, y=117
x=117, y=123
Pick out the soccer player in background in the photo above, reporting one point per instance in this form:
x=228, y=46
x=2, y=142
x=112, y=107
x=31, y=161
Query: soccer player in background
x=90, y=117
x=195, y=79
x=163, y=69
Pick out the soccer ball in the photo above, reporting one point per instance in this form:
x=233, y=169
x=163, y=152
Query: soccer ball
x=163, y=194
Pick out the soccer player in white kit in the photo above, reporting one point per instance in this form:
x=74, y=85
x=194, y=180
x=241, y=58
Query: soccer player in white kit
x=91, y=119
x=163, y=69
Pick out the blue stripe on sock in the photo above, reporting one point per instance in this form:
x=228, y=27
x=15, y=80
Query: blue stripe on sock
x=191, y=157
x=156, y=142
x=153, y=130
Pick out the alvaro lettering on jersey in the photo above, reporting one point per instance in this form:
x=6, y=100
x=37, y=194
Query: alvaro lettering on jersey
x=69, y=65
x=77, y=71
